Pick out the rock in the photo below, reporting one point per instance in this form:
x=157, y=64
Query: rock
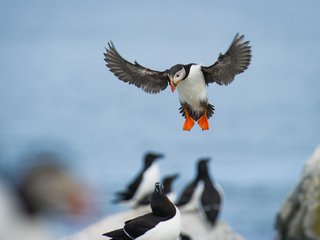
x=192, y=225
x=299, y=217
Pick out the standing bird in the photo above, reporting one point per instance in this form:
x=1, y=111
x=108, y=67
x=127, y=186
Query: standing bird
x=190, y=80
x=167, y=186
x=142, y=185
x=162, y=223
x=202, y=194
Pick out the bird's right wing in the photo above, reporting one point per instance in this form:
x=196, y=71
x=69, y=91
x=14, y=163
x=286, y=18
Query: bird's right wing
x=133, y=186
x=148, y=80
x=186, y=195
x=211, y=201
x=130, y=191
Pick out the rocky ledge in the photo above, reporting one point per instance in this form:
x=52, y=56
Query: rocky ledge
x=299, y=217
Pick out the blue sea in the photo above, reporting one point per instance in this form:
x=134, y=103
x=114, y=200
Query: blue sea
x=57, y=95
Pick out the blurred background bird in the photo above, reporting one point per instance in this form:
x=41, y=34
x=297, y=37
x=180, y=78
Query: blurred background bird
x=143, y=184
x=44, y=190
x=202, y=195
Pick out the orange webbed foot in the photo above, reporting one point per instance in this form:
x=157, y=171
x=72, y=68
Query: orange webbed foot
x=188, y=124
x=203, y=122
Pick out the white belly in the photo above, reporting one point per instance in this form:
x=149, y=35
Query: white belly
x=192, y=90
x=194, y=202
x=150, y=177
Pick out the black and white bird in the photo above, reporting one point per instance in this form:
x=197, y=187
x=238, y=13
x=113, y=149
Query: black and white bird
x=162, y=223
x=167, y=186
x=143, y=184
x=202, y=194
x=190, y=79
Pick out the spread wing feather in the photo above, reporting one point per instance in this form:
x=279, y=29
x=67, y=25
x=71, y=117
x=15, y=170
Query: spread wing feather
x=228, y=65
x=148, y=80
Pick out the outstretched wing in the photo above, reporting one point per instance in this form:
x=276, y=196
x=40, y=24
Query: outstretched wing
x=148, y=80
x=228, y=65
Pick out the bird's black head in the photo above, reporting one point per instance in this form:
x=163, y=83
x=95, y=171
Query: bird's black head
x=160, y=204
x=203, y=168
x=174, y=70
x=167, y=182
x=178, y=73
x=158, y=188
x=150, y=158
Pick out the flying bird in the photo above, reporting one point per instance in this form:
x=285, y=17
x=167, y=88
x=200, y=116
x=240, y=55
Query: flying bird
x=143, y=184
x=163, y=222
x=202, y=194
x=190, y=80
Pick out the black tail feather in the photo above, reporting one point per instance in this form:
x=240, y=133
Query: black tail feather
x=117, y=235
x=209, y=108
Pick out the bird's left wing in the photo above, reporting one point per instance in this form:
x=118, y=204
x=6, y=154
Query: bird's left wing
x=148, y=80
x=140, y=225
x=234, y=61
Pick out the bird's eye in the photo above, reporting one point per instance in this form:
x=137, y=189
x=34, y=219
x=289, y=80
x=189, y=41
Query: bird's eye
x=177, y=75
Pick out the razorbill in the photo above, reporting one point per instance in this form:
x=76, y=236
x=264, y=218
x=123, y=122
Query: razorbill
x=167, y=186
x=162, y=223
x=143, y=184
x=202, y=194
x=189, y=79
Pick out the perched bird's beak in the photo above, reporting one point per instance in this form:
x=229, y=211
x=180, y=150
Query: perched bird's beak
x=172, y=85
x=158, y=187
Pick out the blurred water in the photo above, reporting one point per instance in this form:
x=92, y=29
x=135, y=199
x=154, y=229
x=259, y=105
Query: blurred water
x=56, y=93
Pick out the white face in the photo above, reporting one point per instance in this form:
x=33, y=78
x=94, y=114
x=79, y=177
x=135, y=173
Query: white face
x=178, y=76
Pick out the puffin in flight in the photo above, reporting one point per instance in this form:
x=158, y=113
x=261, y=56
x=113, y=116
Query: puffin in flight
x=190, y=80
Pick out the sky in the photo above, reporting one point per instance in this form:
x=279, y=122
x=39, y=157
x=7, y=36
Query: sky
x=56, y=94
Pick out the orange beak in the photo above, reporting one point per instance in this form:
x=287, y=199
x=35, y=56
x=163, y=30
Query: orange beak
x=173, y=87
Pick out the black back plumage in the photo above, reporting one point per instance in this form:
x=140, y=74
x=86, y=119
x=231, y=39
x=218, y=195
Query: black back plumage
x=187, y=193
x=133, y=186
x=210, y=199
x=190, y=188
x=162, y=210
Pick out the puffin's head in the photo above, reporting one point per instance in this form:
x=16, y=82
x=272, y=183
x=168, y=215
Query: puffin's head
x=176, y=74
